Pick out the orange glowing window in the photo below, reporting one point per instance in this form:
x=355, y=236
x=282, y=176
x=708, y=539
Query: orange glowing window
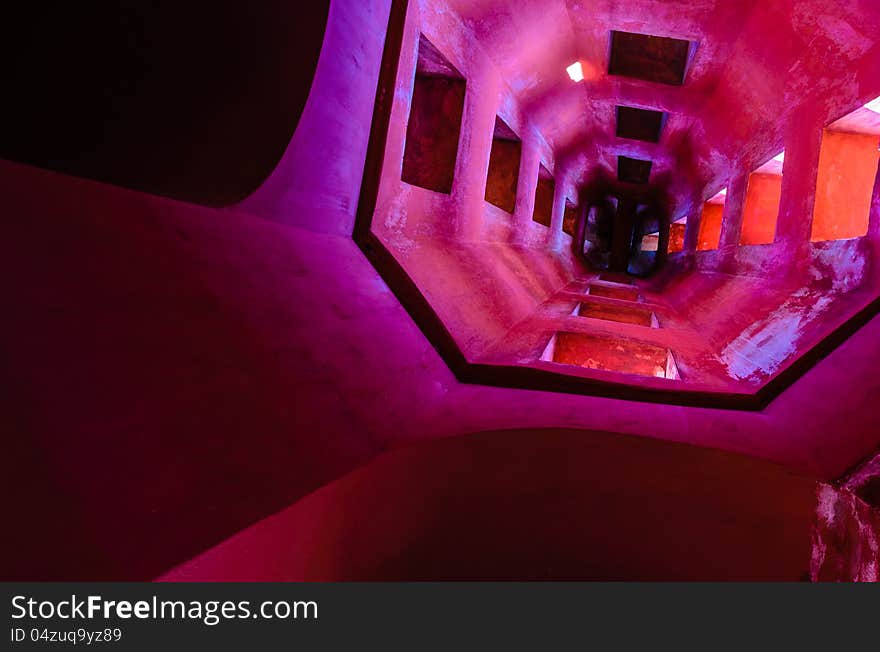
x=618, y=313
x=845, y=179
x=710, y=222
x=676, y=237
x=605, y=353
x=761, y=209
x=613, y=290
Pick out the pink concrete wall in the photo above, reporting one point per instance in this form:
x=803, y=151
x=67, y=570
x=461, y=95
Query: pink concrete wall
x=761, y=318
x=164, y=360
x=476, y=508
x=312, y=186
x=411, y=212
x=846, y=538
x=483, y=269
x=759, y=107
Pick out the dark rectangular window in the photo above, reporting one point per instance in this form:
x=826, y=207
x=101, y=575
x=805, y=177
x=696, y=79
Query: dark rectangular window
x=639, y=124
x=503, y=176
x=544, y=191
x=434, y=122
x=569, y=220
x=633, y=170
x=651, y=58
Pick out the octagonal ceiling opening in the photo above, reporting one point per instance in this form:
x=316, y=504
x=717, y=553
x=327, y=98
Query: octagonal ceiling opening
x=654, y=174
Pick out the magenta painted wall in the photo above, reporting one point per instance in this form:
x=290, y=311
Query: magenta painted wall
x=313, y=186
x=556, y=505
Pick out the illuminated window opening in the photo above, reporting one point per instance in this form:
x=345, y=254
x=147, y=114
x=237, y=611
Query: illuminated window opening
x=650, y=242
x=761, y=208
x=612, y=290
x=710, y=222
x=874, y=105
x=845, y=179
x=676, y=235
x=617, y=313
x=619, y=355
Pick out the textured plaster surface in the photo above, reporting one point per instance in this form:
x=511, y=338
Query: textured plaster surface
x=846, y=538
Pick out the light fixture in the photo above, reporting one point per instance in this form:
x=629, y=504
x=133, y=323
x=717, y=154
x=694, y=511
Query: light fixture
x=575, y=71
x=874, y=105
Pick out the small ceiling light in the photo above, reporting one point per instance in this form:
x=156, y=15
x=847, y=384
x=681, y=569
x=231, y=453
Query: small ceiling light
x=575, y=71
x=780, y=158
x=874, y=105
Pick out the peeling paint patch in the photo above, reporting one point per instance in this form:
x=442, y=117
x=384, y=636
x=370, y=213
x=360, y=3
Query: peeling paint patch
x=850, y=41
x=837, y=268
x=395, y=227
x=845, y=538
x=842, y=262
x=765, y=345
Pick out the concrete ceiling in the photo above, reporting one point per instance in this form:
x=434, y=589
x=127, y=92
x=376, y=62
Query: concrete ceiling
x=752, y=66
